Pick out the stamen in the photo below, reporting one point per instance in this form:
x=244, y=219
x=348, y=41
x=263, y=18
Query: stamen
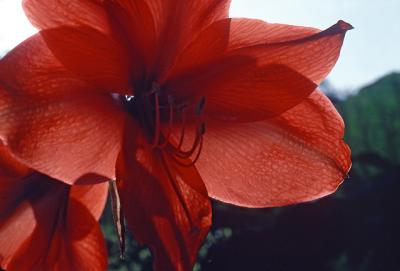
x=202, y=128
x=156, y=137
x=170, y=122
x=155, y=112
x=183, y=129
x=200, y=147
x=155, y=88
x=185, y=154
x=177, y=152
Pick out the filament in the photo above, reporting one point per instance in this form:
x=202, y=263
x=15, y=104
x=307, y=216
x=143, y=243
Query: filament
x=156, y=136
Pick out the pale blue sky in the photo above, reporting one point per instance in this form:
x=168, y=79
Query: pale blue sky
x=370, y=51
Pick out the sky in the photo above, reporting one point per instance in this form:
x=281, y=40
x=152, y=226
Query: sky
x=370, y=51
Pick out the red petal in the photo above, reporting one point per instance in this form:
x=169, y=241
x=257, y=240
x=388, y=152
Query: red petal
x=250, y=70
x=159, y=30
x=54, y=121
x=86, y=243
x=307, y=51
x=65, y=139
x=16, y=223
x=31, y=69
x=54, y=135
x=11, y=171
x=91, y=55
x=299, y=156
x=43, y=230
x=166, y=205
x=240, y=90
x=9, y=167
x=54, y=13
x=15, y=228
x=136, y=21
x=94, y=197
x=91, y=50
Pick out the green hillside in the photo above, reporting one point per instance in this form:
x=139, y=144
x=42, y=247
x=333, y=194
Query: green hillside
x=373, y=119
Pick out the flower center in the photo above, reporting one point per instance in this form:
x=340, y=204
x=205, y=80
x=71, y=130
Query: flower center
x=168, y=123
x=172, y=126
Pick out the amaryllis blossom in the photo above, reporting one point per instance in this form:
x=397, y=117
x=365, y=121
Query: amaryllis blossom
x=178, y=102
x=46, y=224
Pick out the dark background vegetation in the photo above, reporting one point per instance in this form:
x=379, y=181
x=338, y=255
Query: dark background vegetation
x=356, y=229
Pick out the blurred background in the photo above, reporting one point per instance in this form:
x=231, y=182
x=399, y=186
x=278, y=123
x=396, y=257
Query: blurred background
x=356, y=229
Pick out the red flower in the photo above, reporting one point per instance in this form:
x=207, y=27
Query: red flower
x=47, y=225
x=183, y=102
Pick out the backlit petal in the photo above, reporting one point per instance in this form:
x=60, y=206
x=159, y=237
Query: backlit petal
x=159, y=30
x=296, y=157
x=94, y=197
x=251, y=70
x=9, y=167
x=91, y=55
x=65, y=139
x=32, y=69
x=240, y=90
x=86, y=243
x=166, y=205
x=136, y=21
x=45, y=14
x=43, y=230
x=53, y=120
x=54, y=131
x=308, y=51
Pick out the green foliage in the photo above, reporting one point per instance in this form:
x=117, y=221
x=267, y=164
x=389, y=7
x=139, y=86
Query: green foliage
x=373, y=124
x=373, y=118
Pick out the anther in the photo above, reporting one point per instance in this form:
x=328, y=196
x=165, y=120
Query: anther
x=199, y=107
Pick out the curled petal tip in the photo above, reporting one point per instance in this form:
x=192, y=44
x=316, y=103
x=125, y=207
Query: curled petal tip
x=344, y=26
x=340, y=27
